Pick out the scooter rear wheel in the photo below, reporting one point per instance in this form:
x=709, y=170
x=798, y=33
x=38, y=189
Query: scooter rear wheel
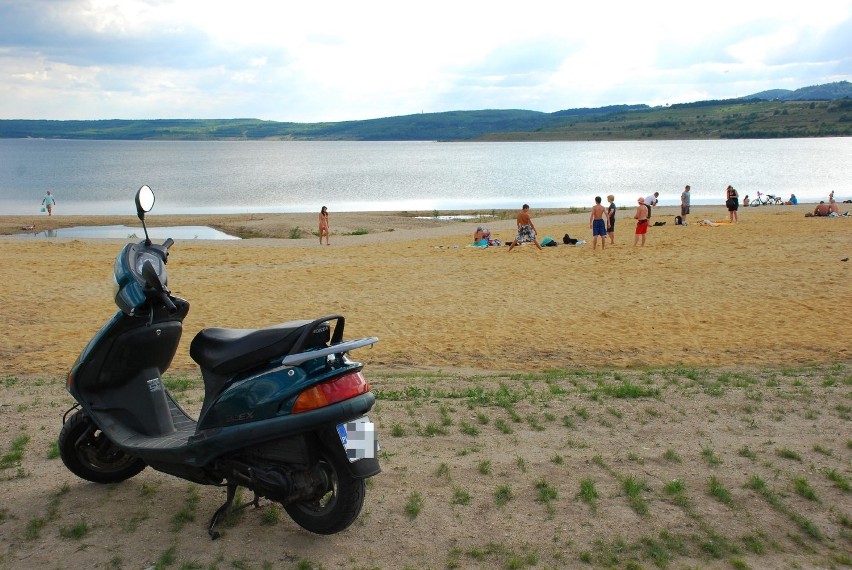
x=88, y=453
x=339, y=506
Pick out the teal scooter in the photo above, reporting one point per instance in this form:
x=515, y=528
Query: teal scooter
x=284, y=410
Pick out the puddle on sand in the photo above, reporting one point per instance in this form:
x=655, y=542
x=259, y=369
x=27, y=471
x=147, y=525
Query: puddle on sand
x=127, y=232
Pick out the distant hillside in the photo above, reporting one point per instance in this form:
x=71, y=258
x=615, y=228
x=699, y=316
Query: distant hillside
x=826, y=92
x=818, y=111
x=731, y=119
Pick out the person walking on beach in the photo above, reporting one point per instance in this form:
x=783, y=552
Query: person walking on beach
x=597, y=224
x=526, y=229
x=651, y=200
x=684, y=203
x=323, y=225
x=732, y=201
x=610, y=219
x=641, y=218
x=49, y=202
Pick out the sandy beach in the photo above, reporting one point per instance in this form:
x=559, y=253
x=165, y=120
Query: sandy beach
x=681, y=405
x=772, y=289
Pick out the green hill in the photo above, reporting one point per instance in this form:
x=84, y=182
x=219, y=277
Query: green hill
x=826, y=111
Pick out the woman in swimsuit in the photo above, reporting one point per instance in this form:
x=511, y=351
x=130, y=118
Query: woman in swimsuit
x=732, y=201
x=323, y=225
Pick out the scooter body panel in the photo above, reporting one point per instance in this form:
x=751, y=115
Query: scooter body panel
x=267, y=394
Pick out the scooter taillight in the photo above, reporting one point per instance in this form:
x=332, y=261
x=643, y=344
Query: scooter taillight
x=333, y=391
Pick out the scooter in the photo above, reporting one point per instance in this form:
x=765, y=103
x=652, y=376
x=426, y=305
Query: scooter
x=283, y=415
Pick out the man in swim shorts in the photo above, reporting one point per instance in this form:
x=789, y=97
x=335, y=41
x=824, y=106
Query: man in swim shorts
x=526, y=229
x=597, y=224
x=641, y=218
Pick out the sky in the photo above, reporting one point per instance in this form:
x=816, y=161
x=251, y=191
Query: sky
x=299, y=61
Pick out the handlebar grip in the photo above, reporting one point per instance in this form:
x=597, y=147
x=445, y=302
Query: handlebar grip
x=168, y=243
x=168, y=302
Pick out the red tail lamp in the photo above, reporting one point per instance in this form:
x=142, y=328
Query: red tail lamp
x=333, y=391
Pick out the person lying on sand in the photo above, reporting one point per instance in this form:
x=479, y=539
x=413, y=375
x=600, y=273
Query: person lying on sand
x=822, y=209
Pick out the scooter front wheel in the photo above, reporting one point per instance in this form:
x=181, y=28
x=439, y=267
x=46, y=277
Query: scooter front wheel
x=339, y=505
x=88, y=453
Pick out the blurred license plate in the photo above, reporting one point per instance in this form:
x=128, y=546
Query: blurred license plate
x=359, y=439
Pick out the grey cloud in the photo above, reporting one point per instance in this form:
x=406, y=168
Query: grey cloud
x=520, y=63
x=53, y=30
x=833, y=48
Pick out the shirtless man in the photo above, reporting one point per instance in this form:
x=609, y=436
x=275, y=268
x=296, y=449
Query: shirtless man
x=641, y=218
x=822, y=209
x=832, y=206
x=597, y=224
x=526, y=229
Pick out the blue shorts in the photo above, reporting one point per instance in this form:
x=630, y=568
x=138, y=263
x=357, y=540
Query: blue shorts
x=598, y=228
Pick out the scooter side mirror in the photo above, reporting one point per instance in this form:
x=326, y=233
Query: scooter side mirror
x=144, y=201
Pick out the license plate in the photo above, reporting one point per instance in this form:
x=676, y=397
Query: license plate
x=359, y=439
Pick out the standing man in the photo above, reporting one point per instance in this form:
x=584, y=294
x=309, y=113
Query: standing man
x=49, y=202
x=526, y=229
x=651, y=200
x=684, y=203
x=597, y=224
x=641, y=218
x=610, y=217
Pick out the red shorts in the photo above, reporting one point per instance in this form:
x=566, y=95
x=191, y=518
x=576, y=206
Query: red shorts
x=642, y=227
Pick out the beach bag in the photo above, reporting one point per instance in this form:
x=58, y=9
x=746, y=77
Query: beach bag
x=43, y=209
x=568, y=240
x=678, y=221
x=548, y=242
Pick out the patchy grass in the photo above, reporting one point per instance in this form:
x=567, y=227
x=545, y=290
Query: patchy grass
x=414, y=505
x=665, y=468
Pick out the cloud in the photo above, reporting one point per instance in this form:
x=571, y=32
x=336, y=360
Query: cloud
x=334, y=61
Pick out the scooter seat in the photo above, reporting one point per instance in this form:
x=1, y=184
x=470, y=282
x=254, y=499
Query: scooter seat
x=225, y=351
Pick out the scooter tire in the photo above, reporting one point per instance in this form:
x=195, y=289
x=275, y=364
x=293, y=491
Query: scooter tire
x=88, y=453
x=338, y=507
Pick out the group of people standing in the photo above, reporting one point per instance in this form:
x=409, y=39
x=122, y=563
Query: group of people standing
x=602, y=220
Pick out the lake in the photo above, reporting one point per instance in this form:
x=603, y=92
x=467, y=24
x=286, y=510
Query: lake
x=101, y=177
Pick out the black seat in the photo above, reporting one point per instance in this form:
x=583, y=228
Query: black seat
x=225, y=351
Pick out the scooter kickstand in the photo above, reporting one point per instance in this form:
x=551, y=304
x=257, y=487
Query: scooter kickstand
x=226, y=509
x=221, y=511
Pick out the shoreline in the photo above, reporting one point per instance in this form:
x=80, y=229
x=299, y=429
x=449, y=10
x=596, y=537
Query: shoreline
x=285, y=226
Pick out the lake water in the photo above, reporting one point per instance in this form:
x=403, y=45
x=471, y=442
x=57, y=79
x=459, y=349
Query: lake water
x=101, y=177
